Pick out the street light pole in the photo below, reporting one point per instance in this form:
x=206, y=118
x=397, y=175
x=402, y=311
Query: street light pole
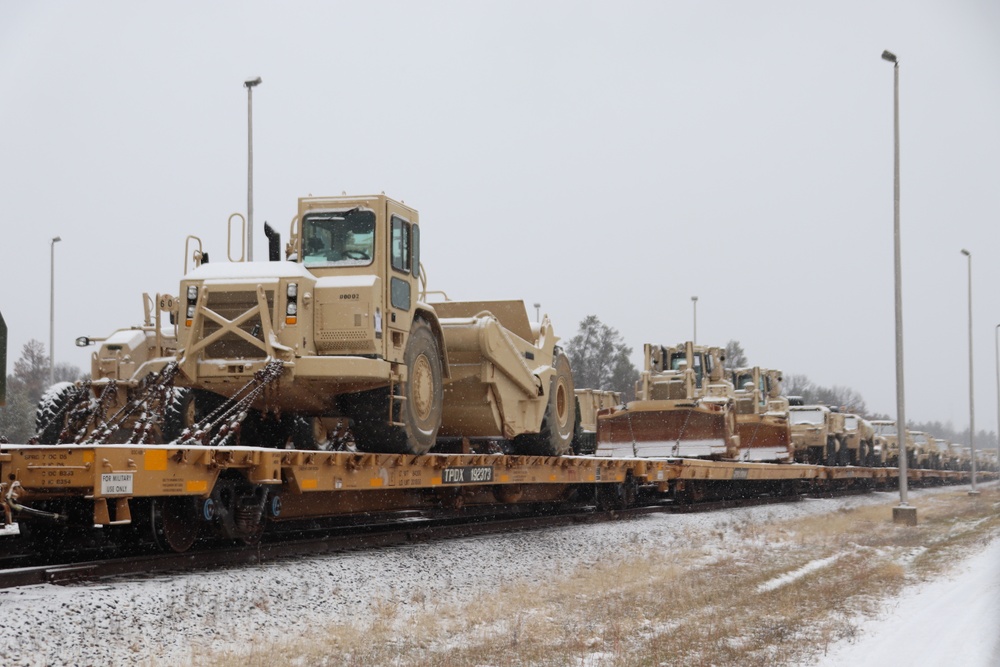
x=250, y=86
x=972, y=406
x=996, y=335
x=903, y=513
x=52, y=309
x=694, y=305
x=538, y=312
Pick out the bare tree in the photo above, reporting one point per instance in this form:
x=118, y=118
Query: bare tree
x=25, y=387
x=735, y=356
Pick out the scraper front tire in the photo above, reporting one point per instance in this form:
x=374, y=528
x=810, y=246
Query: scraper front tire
x=417, y=417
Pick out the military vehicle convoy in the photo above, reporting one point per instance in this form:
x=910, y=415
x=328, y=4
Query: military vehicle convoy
x=826, y=436
x=683, y=408
x=338, y=332
x=335, y=343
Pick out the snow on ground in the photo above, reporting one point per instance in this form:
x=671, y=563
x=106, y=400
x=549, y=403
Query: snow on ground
x=167, y=620
x=951, y=621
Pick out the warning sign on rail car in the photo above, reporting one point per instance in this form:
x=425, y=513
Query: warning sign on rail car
x=116, y=484
x=467, y=475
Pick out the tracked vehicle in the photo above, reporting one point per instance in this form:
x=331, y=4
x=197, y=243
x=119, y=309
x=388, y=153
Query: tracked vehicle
x=338, y=335
x=683, y=408
x=761, y=415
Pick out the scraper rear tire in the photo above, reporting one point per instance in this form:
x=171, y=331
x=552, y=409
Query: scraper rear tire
x=555, y=437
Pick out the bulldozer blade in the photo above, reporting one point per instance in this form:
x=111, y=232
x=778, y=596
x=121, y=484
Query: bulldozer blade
x=761, y=440
x=680, y=432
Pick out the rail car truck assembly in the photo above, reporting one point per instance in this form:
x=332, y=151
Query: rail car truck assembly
x=287, y=352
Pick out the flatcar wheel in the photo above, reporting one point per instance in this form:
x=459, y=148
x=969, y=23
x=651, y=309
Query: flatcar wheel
x=251, y=518
x=175, y=523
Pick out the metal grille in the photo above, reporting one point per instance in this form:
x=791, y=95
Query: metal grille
x=231, y=304
x=342, y=341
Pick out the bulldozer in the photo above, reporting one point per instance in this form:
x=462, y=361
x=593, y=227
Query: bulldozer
x=761, y=415
x=683, y=408
x=337, y=343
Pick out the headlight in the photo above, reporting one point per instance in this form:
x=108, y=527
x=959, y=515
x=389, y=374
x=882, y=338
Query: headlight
x=293, y=290
x=192, y=293
x=292, y=308
x=190, y=312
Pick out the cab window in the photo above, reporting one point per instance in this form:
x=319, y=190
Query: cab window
x=400, y=244
x=338, y=238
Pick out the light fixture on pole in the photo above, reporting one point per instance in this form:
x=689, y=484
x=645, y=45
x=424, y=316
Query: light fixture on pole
x=694, y=305
x=250, y=85
x=904, y=513
x=972, y=405
x=538, y=312
x=52, y=309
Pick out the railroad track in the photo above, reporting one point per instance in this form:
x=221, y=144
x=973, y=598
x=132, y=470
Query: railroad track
x=18, y=570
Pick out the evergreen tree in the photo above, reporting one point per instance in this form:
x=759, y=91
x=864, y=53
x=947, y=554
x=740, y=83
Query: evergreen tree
x=25, y=387
x=600, y=358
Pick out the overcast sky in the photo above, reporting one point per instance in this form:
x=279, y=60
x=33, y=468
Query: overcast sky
x=609, y=158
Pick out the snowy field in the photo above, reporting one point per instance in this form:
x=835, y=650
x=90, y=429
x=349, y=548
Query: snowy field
x=953, y=621
x=185, y=619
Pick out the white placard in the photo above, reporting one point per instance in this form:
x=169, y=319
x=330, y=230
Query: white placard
x=116, y=484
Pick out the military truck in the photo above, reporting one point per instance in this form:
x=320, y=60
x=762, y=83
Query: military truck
x=922, y=449
x=683, y=408
x=940, y=456
x=342, y=329
x=887, y=444
x=885, y=441
x=857, y=442
x=818, y=435
x=761, y=415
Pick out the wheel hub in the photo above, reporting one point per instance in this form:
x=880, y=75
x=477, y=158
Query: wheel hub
x=422, y=388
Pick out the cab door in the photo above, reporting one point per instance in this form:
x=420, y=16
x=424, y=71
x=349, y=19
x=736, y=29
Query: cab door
x=403, y=273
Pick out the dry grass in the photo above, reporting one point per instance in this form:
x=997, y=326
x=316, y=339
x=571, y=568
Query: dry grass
x=691, y=607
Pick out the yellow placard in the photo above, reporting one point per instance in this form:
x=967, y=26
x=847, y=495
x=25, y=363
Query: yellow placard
x=155, y=459
x=197, y=486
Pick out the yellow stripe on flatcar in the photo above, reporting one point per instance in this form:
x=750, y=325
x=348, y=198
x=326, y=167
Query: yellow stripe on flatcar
x=309, y=484
x=197, y=486
x=375, y=481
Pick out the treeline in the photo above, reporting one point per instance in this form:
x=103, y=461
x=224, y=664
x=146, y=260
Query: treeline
x=25, y=386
